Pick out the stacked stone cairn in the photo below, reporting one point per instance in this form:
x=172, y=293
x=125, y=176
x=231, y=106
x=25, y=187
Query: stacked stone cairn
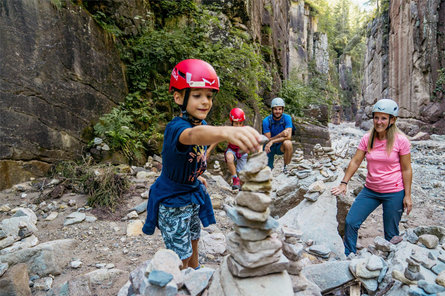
x=255, y=248
x=325, y=162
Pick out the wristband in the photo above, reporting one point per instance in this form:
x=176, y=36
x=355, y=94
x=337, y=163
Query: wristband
x=344, y=182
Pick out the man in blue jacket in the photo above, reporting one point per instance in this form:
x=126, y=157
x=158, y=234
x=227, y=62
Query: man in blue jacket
x=277, y=127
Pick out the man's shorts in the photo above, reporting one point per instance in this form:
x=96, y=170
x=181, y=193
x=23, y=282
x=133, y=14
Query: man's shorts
x=275, y=149
x=240, y=161
x=179, y=226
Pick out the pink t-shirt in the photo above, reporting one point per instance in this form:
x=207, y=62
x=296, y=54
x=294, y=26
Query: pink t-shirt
x=384, y=172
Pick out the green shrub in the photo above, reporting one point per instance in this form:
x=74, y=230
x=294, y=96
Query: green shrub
x=103, y=183
x=299, y=95
x=106, y=188
x=118, y=130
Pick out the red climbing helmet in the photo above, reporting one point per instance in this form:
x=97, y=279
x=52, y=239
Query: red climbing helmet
x=193, y=73
x=237, y=115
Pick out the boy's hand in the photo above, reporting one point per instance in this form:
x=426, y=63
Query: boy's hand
x=203, y=181
x=246, y=138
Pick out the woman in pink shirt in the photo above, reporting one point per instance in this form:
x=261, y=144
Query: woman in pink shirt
x=388, y=156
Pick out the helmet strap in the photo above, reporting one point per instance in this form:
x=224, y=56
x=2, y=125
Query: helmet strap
x=389, y=124
x=185, y=115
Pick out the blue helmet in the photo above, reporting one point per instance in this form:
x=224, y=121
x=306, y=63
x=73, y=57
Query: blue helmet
x=277, y=102
x=387, y=106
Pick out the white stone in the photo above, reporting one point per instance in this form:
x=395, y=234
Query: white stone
x=134, y=228
x=268, y=285
x=52, y=216
x=168, y=261
x=76, y=264
x=255, y=201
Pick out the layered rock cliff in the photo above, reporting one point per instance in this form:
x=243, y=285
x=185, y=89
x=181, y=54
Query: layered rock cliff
x=59, y=71
x=405, y=53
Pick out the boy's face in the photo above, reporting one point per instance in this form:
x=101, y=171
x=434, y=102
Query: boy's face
x=237, y=123
x=200, y=102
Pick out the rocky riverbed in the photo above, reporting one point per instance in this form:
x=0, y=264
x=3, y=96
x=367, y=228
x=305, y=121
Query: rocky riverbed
x=61, y=246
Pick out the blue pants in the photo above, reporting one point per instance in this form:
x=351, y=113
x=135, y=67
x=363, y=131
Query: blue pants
x=275, y=149
x=365, y=203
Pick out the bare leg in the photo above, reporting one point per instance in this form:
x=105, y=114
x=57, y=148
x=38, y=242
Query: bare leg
x=231, y=163
x=193, y=263
x=286, y=148
x=185, y=262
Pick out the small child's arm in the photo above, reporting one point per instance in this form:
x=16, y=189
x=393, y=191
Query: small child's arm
x=209, y=150
x=245, y=137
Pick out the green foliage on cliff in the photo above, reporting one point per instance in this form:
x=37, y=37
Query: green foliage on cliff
x=183, y=31
x=298, y=95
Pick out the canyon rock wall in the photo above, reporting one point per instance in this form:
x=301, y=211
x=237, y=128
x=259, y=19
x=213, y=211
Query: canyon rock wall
x=405, y=51
x=59, y=72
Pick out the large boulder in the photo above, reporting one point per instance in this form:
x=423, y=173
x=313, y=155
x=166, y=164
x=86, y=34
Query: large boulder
x=318, y=220
x=43, y=259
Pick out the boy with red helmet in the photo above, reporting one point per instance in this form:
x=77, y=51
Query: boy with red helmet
x=234, y=153
x=178, y=200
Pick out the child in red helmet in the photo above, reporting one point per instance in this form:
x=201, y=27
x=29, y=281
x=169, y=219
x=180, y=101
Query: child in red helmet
x=178, y=200
x=234, y=153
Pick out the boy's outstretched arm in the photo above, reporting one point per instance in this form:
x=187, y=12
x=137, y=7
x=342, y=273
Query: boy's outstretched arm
x=245, y=137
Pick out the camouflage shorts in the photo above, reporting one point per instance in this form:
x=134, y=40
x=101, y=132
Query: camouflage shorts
x=179, y=226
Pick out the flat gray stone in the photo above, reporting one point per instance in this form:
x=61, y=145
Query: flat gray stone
x=430, y=288
x=313, y=196
x=270, y=243
x=253, y=215
x=262, y=176
x=159, y=278
x=140, y=208
x=319, y=250
x=252, y=234
x=319, y=222
x=241, y=271
x=197, y=280
x=255, y=201
x=329, y=275
x=268, y=285
x=264, y=187
x=251, y=260
x=371, y=285
x=74, y=218
x=45, y=258
x=438, y=268
x=256, y=162
x=239, y=220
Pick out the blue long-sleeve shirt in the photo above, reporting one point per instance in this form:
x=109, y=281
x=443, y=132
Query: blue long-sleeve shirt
x=178, y=184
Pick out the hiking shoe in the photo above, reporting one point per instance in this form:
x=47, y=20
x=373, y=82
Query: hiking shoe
x=285, y=171
x=235, y=183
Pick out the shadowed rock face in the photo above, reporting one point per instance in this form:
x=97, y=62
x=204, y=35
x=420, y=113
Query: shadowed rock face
x=59, y=72
x=404, y=54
